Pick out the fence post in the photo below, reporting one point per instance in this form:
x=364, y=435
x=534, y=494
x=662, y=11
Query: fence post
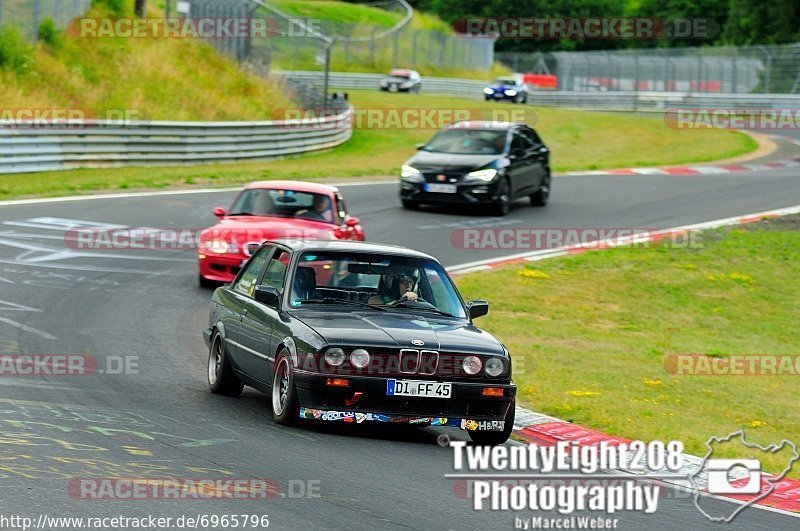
x=768, y=73
x=396, y=48
x=1, y=11
x=35, y=19
x=372, y=47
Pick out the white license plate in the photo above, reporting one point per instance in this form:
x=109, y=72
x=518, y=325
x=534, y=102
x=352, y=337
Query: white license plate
x=421, y=388
x=441, y=188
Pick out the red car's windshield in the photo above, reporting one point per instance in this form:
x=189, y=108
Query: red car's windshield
x=283, y=203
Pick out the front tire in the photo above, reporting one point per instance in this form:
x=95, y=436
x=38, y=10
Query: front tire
x=410, y=205
x=494, y=438
x=503, y=203
x=540, y=198
x=394, y=88
x=285, y=405
x=204, y=283
x=221, y=378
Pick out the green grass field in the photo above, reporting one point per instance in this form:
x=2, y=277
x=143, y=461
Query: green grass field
x=579, y=141
x=591, y=334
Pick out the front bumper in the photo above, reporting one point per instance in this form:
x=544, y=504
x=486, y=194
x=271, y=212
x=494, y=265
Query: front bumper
x=473, y=193
x=220, y=267
x=365, y=399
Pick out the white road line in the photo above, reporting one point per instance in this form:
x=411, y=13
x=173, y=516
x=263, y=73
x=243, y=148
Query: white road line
x=26, y=328
x=64, y=199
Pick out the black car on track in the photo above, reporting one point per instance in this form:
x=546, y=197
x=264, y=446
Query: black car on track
x=478, y=163
x=357, y=332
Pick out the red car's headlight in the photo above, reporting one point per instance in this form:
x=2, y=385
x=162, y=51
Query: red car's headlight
x=220, y=247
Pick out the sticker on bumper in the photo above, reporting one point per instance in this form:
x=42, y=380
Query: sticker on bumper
x=358, y=418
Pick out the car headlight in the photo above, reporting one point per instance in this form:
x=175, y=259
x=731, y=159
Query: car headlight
x=482, y=175
x=493, y=367
x=471, y=365
x=334, y=356
x=411, y=174
x=221, y=247
x=359, y=358
x=488, y=91
x=510, y=92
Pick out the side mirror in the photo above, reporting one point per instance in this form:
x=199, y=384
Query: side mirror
x=351, y=221
x=220, y=212
x=267, y=295
x=419, y=146
x=477, y=309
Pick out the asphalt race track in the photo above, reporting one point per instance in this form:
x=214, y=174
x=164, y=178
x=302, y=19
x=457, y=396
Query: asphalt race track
x=163, y=422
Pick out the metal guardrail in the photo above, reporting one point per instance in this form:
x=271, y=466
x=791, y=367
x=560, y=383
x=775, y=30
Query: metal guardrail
x=599, y=100
x=97, y=143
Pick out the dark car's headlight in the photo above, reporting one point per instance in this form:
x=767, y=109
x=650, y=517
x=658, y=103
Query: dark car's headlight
x=481, y=175
x=471, y=365
x=334, y=356
x=493, y=367
x=510, y=92
x=488, y=91
x=411, y=174
x=359, y=358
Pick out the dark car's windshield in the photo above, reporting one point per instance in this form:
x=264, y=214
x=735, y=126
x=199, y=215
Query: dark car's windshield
x=405, y=283
x=467, y=142
x=283, y=203
x=504, y=81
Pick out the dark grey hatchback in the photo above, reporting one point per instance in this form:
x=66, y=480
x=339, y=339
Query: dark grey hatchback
x=478, y=163
x=357, y=332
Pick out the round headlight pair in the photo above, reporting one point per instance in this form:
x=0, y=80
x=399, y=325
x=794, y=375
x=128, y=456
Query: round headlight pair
x=359, y=358
x=472, y=366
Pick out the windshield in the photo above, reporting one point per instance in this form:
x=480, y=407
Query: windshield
x=404, y=283
x=283, y=203
x=467, y=142
x=504, y=82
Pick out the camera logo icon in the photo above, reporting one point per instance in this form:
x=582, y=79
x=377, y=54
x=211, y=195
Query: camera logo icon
x=722, y=476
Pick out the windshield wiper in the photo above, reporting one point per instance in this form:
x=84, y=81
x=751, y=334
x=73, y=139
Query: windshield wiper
x=434, y=310
x=331, y=300
x=241, y=214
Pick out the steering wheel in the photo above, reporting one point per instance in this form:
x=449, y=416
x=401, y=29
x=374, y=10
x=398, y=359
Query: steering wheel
x=312, y=214
x=403, y=300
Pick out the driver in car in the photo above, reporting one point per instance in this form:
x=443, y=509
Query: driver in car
x=404, y=286
x=320, y=211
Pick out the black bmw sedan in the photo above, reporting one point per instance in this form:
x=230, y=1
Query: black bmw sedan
x=478, y=163
x=356, y=332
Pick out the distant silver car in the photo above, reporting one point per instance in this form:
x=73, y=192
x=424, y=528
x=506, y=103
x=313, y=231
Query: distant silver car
x=401, y=80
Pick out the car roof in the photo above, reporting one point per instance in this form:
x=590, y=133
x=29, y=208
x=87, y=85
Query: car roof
x=353, y=246
x=299, y=186
x=484, y=124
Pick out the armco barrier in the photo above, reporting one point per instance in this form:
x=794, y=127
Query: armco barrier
x=597, y=100
x=94, y=143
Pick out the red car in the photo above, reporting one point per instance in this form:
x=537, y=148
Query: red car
x=268, y=210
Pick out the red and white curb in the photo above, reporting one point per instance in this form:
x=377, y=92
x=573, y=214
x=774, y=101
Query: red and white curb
x=542, y=429
x=695, y=169
x=638, y=238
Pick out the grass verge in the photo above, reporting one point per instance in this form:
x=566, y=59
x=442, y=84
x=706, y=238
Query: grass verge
x=592, y=334
x=579, y=141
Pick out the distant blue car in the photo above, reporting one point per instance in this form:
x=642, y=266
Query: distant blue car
x=506, y=89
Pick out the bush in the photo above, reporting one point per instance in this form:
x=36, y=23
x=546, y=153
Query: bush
x=49, y=33
x=16, y=55
x=116, y=8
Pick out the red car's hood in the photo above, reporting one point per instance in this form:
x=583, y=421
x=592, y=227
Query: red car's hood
x=252, y=228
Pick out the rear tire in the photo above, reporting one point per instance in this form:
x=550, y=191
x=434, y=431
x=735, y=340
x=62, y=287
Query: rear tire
x=285, y=405
x=394, y=87
x=221, y=378
x=540, y=198
x=494, y=438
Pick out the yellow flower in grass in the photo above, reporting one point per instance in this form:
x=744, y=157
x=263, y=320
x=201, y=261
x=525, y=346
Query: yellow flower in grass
x=532, y=273
x=756, y=423
x=581, y=392
x=653, y=383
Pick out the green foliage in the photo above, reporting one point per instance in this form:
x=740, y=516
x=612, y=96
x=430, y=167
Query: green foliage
x=16, y=55
x=50, y=34
x=115, y=8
